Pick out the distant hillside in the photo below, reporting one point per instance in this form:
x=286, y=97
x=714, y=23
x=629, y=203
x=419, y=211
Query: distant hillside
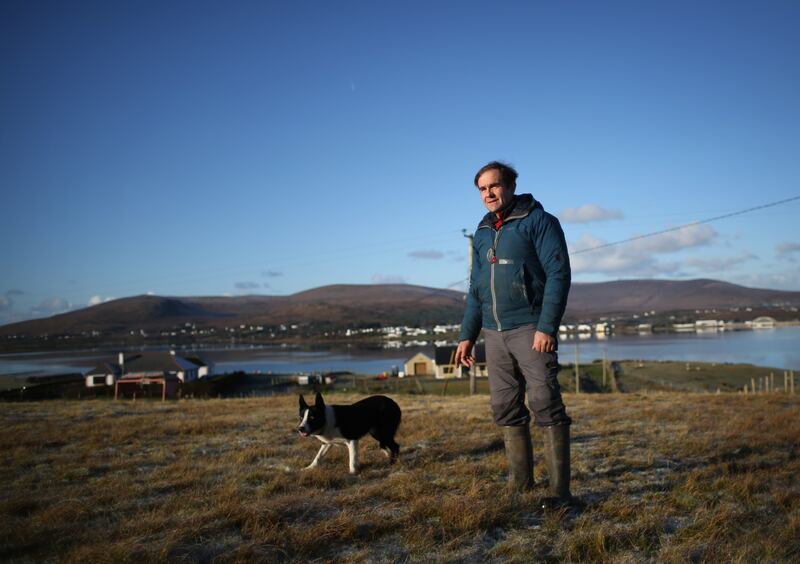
x=636, y=296
x=335, y=306
x=388, y=304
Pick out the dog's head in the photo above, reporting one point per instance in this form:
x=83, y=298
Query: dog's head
x=312, y=417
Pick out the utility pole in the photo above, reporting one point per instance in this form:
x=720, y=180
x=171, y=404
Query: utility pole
x=469, y=236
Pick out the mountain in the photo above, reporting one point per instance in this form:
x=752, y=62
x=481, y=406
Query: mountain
x=336, y=306
x=389, y=304
x=636, y=296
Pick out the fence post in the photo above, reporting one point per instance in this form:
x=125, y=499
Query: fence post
x=605, y=366
x=577, y=371
x=753, y=384
x=473, y=385
x=791, y=380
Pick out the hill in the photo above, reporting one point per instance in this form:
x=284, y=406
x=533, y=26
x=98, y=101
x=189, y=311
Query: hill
x=635, y=296
x=344, y=305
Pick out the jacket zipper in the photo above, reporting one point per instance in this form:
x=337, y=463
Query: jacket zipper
x=491, y=278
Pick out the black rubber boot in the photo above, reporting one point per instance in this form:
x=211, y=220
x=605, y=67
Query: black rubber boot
x=556, y=457
x=519, y=453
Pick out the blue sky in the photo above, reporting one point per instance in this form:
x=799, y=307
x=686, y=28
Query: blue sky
x=209, y=148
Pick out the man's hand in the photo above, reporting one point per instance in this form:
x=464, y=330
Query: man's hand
x=542, y=342
x=464, y=354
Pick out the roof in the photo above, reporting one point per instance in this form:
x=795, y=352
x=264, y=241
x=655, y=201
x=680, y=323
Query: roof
x=196, y=360
x=158, y=362
x=445, y=354
x=419, y=356
x=104, y=368
x=148, y=362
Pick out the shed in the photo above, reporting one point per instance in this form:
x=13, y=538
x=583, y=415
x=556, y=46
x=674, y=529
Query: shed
x=419, y=365
x=445, y=356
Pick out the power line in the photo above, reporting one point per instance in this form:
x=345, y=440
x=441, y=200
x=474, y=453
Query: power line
x=709, y=220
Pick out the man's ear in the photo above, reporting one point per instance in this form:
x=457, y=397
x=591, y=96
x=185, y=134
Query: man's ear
x=303, y=404
x=319, y=402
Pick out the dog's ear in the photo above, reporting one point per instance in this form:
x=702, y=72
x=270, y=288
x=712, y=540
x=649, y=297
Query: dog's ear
x=303, y=404
x=319, y=402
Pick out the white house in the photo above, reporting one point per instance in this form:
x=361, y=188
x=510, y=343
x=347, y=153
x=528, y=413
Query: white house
x=148, y=365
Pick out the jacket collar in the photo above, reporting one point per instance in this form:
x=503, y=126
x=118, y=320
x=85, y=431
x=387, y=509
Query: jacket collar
x=522, y=205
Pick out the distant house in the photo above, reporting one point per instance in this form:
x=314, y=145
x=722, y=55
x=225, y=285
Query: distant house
x=763, y=322
x=419, y=365
x=166, y=368
x=104, y=374
x=445, y=367
x=203, y=368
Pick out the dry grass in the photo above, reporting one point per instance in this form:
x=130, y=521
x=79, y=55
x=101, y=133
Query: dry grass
x=666, y=477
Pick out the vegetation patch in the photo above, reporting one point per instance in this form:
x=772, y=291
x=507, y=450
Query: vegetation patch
x=658, y=476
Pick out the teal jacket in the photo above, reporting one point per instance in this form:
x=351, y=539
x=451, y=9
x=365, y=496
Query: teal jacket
x=520, y=273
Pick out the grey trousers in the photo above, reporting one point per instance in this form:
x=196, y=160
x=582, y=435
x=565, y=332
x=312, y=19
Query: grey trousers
x=514, y=367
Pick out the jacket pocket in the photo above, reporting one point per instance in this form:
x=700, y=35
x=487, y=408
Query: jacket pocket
x=535, y=287
x=519, y=289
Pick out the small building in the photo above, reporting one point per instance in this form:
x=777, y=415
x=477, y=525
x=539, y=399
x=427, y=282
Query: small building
x=445, y=362
x=763, y=322
x=104, y=374
x=166, y=368
x=419, y=365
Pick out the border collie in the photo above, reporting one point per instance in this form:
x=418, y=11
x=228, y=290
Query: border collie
x=345, y=424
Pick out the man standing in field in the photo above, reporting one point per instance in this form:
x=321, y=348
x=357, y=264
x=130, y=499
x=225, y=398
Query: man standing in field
x=519, y=283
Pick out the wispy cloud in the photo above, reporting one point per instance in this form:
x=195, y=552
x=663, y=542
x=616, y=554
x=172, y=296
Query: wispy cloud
x=719, y=264
x=246, y=285
x=388, y=279
x=588, y=213
x=98, y=299
x=51, y=306
x=787, y=251
x=7, y=299
x=786, y=280
x=640, y=257
x=427, y=254
x=271, y=273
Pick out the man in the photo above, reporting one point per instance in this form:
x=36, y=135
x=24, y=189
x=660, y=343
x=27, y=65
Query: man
x=519, y=283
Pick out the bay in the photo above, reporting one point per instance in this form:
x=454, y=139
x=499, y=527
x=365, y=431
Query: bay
x=777, y=348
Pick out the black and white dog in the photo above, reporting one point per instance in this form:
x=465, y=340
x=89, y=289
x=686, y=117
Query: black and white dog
x=345, y=424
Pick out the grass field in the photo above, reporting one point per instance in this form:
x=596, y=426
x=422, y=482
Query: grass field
x=659, y=476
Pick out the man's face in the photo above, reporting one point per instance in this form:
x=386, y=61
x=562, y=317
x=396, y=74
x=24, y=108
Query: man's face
x=495, y=196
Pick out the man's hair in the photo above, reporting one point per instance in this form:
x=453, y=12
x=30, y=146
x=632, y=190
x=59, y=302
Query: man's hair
x=508, y=176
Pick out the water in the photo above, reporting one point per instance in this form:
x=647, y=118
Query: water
x=776, y=348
